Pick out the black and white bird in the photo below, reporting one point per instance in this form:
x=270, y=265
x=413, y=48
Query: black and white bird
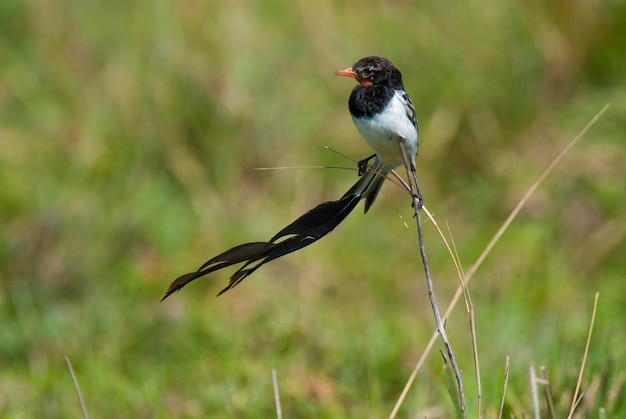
x=384, y=115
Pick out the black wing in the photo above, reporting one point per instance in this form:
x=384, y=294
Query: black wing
x=410, y=109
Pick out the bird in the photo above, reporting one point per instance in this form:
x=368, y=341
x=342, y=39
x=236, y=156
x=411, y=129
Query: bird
x=384, y=115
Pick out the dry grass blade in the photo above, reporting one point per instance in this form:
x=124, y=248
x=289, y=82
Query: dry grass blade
x=582, y=366
x=279, y=412
x=469, y=306
x=472, y=321
x=507, y=366
x=490, y=247
x=83, y=408
x=548, y=392
x=417, y=205
x=432, y=341
x=302, y=167
x=534, y=391
x=314, y=166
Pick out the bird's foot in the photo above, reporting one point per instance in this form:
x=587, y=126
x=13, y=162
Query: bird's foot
x=417, y=197
x=363, y=164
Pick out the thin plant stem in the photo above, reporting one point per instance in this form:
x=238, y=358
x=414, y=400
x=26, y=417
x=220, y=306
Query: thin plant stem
x=548, y=392
x=83, y=407
x=534, y=392
x=507, y=366
x=472, y=321
x=582, y=367
x=279, y=412
x=412, y=179
x=472, y=271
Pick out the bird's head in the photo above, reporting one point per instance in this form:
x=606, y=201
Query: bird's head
x=373, y=70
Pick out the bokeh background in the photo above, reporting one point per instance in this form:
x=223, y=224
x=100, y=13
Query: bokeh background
x=129, y=137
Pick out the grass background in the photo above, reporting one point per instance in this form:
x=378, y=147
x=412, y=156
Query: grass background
x=129, y=134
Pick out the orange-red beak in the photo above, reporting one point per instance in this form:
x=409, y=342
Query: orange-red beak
x=349, y=72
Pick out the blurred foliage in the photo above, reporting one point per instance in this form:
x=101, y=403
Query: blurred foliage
x=129, y=134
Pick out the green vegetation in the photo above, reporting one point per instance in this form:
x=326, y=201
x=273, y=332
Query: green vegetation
x=129, y=134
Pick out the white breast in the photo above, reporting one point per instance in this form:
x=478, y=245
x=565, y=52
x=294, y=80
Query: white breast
x=384, y=130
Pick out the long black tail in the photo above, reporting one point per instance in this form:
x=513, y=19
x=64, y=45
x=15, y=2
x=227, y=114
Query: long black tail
x=307, y=229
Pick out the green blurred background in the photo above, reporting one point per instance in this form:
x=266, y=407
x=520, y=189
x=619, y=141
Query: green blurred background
x=129, y=135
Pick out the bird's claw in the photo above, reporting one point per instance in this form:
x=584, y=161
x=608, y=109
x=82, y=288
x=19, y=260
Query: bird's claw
x=420, y=202
x=363, y=164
